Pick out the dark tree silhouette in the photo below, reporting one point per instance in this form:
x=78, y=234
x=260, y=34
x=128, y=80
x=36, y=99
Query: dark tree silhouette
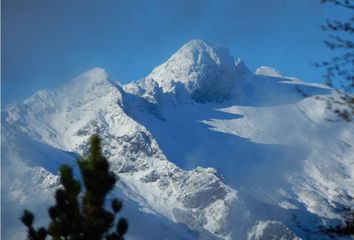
x=82, y=216
x=347, y=227
x=340, y=69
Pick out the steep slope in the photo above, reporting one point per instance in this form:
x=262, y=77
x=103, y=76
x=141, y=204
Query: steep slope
x=204, y=148
x=27, y=185
x=65, y=118
x=268, y=141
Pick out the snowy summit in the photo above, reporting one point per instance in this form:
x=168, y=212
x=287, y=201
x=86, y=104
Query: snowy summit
x=206, y=71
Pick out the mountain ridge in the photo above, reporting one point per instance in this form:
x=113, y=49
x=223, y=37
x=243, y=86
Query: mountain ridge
x=208, y=165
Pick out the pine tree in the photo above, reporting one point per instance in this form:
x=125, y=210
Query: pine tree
x=79, y=216
x=339, y=71
x=343, y=229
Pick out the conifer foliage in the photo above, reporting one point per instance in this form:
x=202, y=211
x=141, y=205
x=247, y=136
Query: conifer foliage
x=340, y=69
x=79, y=215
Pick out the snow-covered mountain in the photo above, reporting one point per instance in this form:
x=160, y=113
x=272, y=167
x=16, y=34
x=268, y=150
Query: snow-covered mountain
x=204, y=148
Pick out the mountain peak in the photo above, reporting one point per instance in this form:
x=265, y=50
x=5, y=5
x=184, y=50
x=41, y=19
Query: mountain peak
x=268, y=71
x=91, y=85
x=94, y=75
x=197, y=44
x=207, y=71
x=90, y=82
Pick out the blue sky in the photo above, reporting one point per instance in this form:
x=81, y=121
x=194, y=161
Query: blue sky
x=47, y=42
